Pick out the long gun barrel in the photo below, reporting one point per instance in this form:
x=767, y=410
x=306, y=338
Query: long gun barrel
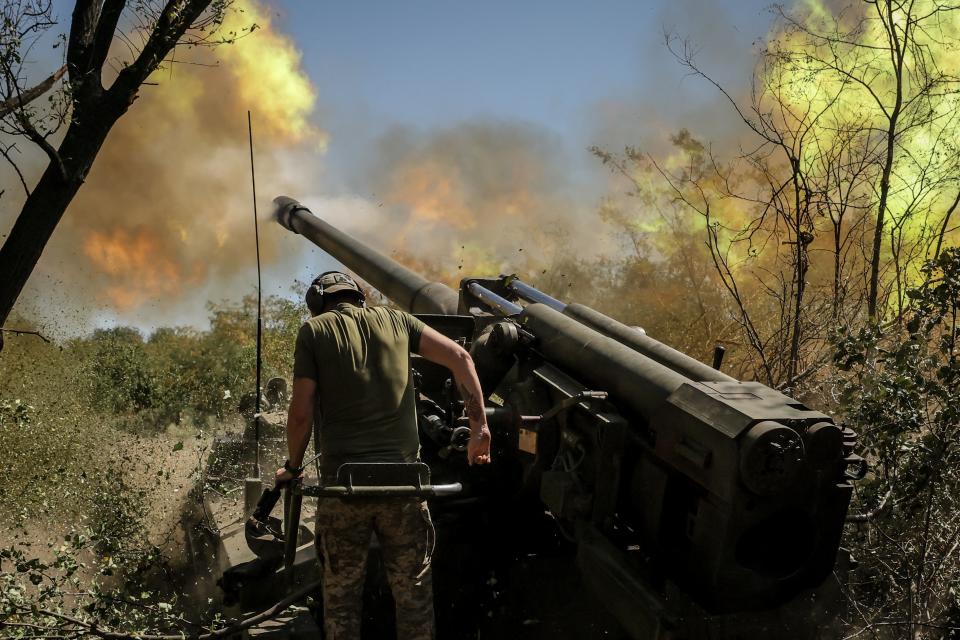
x=409, y=290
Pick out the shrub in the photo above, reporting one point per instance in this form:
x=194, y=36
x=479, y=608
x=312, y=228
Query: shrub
x=900, y=393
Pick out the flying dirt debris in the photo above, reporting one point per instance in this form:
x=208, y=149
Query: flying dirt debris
x=635, y=492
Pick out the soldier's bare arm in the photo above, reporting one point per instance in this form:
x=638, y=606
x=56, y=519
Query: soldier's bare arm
x=436, y=347
x=299, y=423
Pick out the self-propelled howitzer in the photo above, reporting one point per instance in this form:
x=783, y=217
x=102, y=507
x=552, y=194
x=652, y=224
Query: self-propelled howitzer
x=699, y=506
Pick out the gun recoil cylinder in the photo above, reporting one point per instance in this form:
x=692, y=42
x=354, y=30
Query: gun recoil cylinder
x=639, y=342
x=635, y=379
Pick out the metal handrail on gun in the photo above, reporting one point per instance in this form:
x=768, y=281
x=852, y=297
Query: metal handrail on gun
x=295, y=490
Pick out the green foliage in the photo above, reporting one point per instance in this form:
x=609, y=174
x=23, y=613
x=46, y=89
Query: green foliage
x=182, y=374
x=116, y=378
x=59, y=406
x=117, y=529
x=98, y=578
x=900, y=393
x=45, y=462
x=120, y=375
x=903, y=384
x=15, y=415
x=78, y=423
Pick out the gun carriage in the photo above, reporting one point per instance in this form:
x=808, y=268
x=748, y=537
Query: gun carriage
x=690, y=504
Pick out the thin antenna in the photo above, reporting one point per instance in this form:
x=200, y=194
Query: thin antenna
x=256, y=231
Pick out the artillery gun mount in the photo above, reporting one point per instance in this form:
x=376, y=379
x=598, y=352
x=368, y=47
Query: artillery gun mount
x=634, y=492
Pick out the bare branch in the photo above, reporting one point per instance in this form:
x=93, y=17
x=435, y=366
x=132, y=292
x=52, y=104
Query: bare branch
x=176, y=17
x=5, y=152
x=25, y=332
x=19, y=101
x=945, y=225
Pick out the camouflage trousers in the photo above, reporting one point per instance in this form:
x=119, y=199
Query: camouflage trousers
x=406, y=536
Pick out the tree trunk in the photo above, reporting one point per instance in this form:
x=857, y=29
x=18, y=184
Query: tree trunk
x=47, y=203
x=897, y=53
x=878, y=230
x=945, y=225
x=837, y=266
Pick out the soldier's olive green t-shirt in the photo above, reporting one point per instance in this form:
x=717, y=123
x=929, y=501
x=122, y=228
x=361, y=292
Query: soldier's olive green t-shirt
x=360, y=359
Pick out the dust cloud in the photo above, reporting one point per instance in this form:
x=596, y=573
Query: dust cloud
x=479, y=198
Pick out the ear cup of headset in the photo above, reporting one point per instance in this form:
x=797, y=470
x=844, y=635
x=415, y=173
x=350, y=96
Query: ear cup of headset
x=314, y=298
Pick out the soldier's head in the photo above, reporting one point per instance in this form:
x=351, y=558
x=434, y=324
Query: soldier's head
x=330, y=289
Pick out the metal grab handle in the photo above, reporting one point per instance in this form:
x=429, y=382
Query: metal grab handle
x=392, y=491
x=295, y=490
x=565, y=405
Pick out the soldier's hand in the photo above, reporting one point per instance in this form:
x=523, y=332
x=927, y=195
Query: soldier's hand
x=283, y=476
x=478, y=449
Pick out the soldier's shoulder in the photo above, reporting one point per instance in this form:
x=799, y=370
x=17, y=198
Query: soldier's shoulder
x=324, y=318
x=383, y=311
x=317, y=324
x=396, y=316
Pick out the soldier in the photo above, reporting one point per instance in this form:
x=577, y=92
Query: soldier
x=352, y=364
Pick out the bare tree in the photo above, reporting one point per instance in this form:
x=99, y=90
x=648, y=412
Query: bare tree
x=853, y=152
x=85, y=107
x=664, y=280
x=885, y=54
x=775, y=195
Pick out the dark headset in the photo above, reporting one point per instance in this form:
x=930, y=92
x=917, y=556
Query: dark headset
x=326, y=280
